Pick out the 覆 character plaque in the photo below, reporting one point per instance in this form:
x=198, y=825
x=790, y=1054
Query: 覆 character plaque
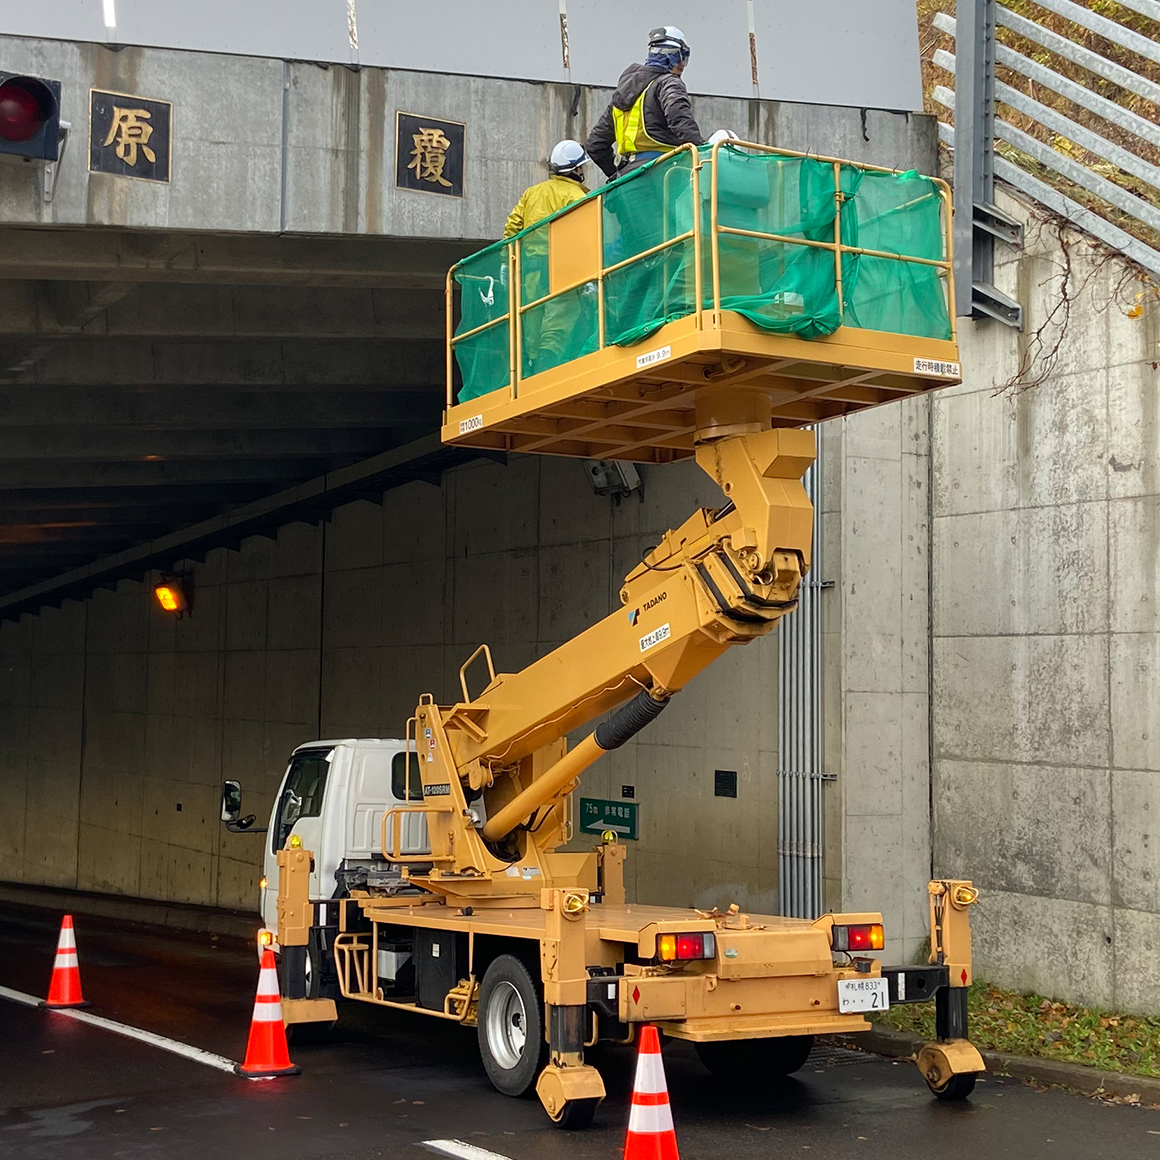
x=429, y=154
x=130, y=136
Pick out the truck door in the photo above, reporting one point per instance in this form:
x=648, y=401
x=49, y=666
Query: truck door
x=298, y=811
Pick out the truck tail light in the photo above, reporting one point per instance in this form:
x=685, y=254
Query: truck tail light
x=864, y=937
x=672, y=948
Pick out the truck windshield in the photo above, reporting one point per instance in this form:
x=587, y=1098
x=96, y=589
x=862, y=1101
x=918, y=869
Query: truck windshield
x=302, y=793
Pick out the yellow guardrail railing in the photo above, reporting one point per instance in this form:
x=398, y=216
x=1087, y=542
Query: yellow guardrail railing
x=514, y=261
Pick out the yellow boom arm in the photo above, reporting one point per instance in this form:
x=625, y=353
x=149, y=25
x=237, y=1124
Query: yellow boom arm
x=723, y=578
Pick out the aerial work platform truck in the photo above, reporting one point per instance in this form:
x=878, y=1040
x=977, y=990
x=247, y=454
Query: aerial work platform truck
x=714, y=305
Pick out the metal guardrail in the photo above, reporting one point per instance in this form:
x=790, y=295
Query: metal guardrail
x=977, y=125
x=704, y=236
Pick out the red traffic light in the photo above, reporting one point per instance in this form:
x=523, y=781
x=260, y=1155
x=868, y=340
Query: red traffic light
x=22, y=112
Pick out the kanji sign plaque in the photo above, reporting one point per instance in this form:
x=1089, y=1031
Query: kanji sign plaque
x=429, y=154
x=130, y=136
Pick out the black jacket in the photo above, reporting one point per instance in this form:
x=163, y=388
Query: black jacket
x=668, y=116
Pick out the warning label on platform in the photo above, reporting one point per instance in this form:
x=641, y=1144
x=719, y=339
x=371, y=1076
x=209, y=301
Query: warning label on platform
x=932, y=366
x=653, y=356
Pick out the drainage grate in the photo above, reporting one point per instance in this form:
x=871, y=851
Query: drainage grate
x=826, y=1055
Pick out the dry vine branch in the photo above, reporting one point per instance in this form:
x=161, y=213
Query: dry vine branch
x=1040, y=352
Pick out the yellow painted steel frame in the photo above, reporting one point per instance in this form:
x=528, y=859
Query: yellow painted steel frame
x=605, y=405
x=497, y=778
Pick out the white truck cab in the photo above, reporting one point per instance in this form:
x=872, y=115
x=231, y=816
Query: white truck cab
x=333, y=797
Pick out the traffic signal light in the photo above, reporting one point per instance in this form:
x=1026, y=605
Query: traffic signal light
x=29, y=118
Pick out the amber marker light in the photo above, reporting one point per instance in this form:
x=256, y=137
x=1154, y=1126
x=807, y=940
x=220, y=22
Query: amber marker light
x=170, y=595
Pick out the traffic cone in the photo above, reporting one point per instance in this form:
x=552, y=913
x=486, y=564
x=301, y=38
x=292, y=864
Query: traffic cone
x=650, y=1123
x=64, y=989
x=266, y=1052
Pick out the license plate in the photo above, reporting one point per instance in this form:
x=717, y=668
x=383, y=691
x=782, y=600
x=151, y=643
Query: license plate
x=862, y=995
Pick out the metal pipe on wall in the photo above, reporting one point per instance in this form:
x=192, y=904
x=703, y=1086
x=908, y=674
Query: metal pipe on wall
x=799, y=735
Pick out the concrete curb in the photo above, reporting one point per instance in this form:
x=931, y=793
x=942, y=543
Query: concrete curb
x=1090, y=1081
x=171, y=915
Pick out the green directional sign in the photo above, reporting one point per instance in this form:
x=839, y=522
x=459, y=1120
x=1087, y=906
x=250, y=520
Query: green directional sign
x=596, y=816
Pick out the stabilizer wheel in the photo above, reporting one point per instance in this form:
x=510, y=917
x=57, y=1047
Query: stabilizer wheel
x=958, y=1087
x=308, y=1034
x=749, y=1062
x=511, y=1027
x=302, y=1034
x=577, y=1115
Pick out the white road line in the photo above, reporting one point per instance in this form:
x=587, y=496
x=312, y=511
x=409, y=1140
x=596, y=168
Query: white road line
x=154, y=1040
x=460, y=1150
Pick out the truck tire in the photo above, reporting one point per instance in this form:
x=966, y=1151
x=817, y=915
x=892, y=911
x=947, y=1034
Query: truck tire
x=747, y=1062
x=511, y=1027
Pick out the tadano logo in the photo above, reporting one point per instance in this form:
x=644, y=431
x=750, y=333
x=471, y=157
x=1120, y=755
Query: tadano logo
x=654, y=601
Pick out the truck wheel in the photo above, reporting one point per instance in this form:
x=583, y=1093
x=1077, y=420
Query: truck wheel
x=958, y=1087
x=747, y=1062
x=511, y=1027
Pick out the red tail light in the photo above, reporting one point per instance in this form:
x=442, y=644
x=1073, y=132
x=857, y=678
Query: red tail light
x=864, y=937
x=685, y=947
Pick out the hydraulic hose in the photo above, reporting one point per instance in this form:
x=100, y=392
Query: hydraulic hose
x=628, y=720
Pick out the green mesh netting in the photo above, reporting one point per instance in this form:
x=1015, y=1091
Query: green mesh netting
x=896, y=213
x=780, y=284
x=484, y=358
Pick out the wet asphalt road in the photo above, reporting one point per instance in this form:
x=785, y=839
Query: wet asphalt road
x=391, y=1081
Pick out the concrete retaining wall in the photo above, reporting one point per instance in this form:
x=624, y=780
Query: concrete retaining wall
x=1046, y=634
x=324, y=162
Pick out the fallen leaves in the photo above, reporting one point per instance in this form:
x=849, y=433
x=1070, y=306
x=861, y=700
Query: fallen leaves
x=1034, y=1025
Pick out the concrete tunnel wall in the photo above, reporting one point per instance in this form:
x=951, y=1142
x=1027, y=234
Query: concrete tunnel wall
x=119, y=722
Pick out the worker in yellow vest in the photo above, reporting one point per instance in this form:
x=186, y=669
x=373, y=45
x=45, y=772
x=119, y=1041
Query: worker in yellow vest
x=650, y=111
x=548, y=330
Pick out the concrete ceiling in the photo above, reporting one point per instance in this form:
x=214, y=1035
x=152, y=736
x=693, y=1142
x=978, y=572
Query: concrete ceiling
x=149, y=381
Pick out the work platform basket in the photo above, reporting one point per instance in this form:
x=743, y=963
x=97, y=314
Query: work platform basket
x=822, y=284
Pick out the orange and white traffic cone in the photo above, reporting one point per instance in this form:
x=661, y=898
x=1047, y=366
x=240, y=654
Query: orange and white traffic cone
x=650, y=1123
x=64, y=989
x=266, y=1052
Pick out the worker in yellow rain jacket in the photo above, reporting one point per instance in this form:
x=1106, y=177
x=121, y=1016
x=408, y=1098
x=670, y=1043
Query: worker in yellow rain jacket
x=650, y=111
x=563, y=187
x=546, y=330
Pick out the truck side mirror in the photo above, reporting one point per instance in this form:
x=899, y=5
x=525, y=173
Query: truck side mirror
x=231, y=801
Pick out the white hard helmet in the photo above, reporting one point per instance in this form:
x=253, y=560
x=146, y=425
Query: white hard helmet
x=568, y=155
x=723, y=135
x=668, y=38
